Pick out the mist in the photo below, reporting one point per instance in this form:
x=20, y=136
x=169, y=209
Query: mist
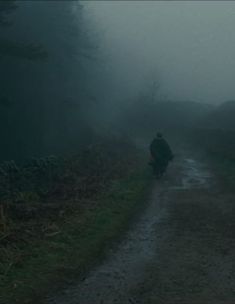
x=117, y=158
x=189, y=46
x=77, y=70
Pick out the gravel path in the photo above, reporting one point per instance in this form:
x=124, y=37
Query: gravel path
x=174, y=253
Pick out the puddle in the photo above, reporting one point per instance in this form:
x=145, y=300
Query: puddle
x=194, y=175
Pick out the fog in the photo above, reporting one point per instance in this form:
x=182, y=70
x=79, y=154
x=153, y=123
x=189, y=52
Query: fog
x=116, y=116
x=188, y=45
x=73, y=71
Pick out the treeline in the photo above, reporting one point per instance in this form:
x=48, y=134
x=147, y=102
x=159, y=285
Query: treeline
x=205, y=126
x=214, y=133
x=144, y=117
x=47, y=56
x=218, y=143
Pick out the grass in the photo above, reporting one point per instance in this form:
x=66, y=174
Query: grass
x=224, y=170
x=218, y=148
x=47, y=264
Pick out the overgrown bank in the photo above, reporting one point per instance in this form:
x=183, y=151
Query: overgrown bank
x=50, y=246
x=219, y=147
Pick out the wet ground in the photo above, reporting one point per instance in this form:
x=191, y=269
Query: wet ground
x=179, y=251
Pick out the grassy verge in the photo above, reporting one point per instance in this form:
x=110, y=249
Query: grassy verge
x=82, y=239
x=225, y=172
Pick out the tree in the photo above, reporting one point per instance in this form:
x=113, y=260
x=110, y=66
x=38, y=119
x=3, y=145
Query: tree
x=6, y=8
x=10, y=48
x=43, y=103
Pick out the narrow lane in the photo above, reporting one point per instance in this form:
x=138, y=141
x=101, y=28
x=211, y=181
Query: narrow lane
x=124, y=273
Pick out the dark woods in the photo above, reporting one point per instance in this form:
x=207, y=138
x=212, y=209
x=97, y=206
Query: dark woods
x=52, y=86
x=75, y=129
x=44, y=53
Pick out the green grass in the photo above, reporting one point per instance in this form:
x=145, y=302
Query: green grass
x=50, y=263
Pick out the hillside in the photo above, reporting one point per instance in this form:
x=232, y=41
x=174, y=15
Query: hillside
x=222, y=117
x=145, y=117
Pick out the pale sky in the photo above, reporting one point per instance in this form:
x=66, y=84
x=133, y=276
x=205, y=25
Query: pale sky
x=190, y=45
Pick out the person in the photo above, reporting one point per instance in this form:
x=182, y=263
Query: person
x=161, y=154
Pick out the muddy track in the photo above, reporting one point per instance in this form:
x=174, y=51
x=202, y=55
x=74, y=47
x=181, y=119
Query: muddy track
x=146, y=268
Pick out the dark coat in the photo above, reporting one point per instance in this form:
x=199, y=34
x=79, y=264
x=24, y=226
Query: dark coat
x=160, y=150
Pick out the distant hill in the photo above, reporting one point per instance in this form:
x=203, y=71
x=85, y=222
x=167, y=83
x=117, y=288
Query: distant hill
x=181, y=113
x=222, y=117
x=146, y=116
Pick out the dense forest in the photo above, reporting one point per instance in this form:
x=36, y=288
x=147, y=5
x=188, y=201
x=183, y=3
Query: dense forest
x=74, y=142
x=47, y=57
x=53, y=81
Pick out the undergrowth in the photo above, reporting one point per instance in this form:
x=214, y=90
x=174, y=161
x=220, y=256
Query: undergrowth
x=59, y=215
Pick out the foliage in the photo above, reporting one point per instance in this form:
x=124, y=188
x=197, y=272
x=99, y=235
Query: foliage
x=45, y=75
x=6, y=8
x=51, y=182
x=219, y=143
x=68, y=203
x=16, y=49
x=147, y=116
x=65, y=248
x=22, y=50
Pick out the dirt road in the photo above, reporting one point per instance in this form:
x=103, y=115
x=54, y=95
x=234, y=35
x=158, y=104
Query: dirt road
x=181, y=250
